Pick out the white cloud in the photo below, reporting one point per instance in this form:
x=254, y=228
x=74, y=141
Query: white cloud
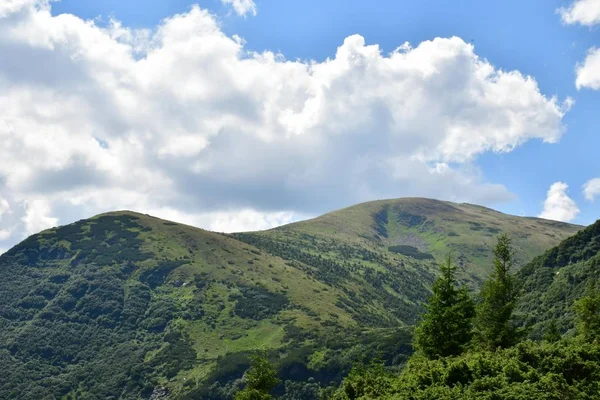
x=588, y=73
x=246, y=220
x=558, y=205
x=591, y=189
x=242, y=7
x=4, y=206
x=183, y=121
x=5, y=234
x=37, y=217
x=227, y=221
x=584, y=12
x=8, y=7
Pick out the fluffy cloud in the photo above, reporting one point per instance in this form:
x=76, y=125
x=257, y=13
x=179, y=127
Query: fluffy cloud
x=591, y=189
x=4, y=206
x=184, y=123
x=558, y=205
x=37, y=217
x=588, y=73
x=584, y=12
x=242, y=7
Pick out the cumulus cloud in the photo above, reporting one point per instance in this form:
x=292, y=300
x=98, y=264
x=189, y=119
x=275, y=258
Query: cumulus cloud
x=183, y=122
x=4, y=206
x=242, y=7
x=584, y=12
x=37, y=217
x=588, y=72
x=558, y=205
x=4, y=234
x=591, y=189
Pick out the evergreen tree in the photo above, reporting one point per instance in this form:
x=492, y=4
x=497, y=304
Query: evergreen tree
x=447, y=325
x=261, y=378
x=494, y=323
x=587, y=311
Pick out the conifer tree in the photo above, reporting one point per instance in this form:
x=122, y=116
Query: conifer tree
x=261, y=378
x=494, y=324
x=447, y=326
x=587, y=311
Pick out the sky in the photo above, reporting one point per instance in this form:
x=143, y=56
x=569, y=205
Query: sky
x=237, y=115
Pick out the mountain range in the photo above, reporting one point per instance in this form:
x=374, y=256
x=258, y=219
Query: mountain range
x=125, y=305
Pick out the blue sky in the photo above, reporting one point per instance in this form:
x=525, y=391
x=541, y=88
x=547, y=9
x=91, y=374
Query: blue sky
x=526, y=36
x=182, y=119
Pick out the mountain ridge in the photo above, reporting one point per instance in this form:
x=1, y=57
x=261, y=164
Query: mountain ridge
x=333, y=212
x=181, y=308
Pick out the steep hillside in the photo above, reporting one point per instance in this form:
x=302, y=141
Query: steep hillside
x=553, y=281
x=383, y=253
x=124, y=305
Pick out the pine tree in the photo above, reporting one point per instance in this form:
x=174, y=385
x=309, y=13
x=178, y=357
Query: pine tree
x=587, y=311
x=494, y=324
x=261, y=378
x=447, y=326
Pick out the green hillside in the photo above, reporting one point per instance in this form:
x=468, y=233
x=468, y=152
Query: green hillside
x=553, y=281
x=385, y=252
x=433, y=227
x=129, y=301
x=125, y=305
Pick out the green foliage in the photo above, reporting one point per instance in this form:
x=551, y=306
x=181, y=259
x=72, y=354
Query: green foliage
x=257, y=303
x=494, y=322
x=447, y=326
x=531, y=370
x=587, y=310
x=260, y=379
x=552, y=282
x=567, y=369
x=552, y=333
x=309, y=390
x=252, y=394
x=365, y=382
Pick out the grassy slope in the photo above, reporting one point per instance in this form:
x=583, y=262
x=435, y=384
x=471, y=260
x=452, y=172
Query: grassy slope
x=554, y=280
x=374, y=242
x=192, y=302
x=469, y=229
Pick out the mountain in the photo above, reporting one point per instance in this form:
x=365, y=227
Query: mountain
x=125, y=305
x=554, y=280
